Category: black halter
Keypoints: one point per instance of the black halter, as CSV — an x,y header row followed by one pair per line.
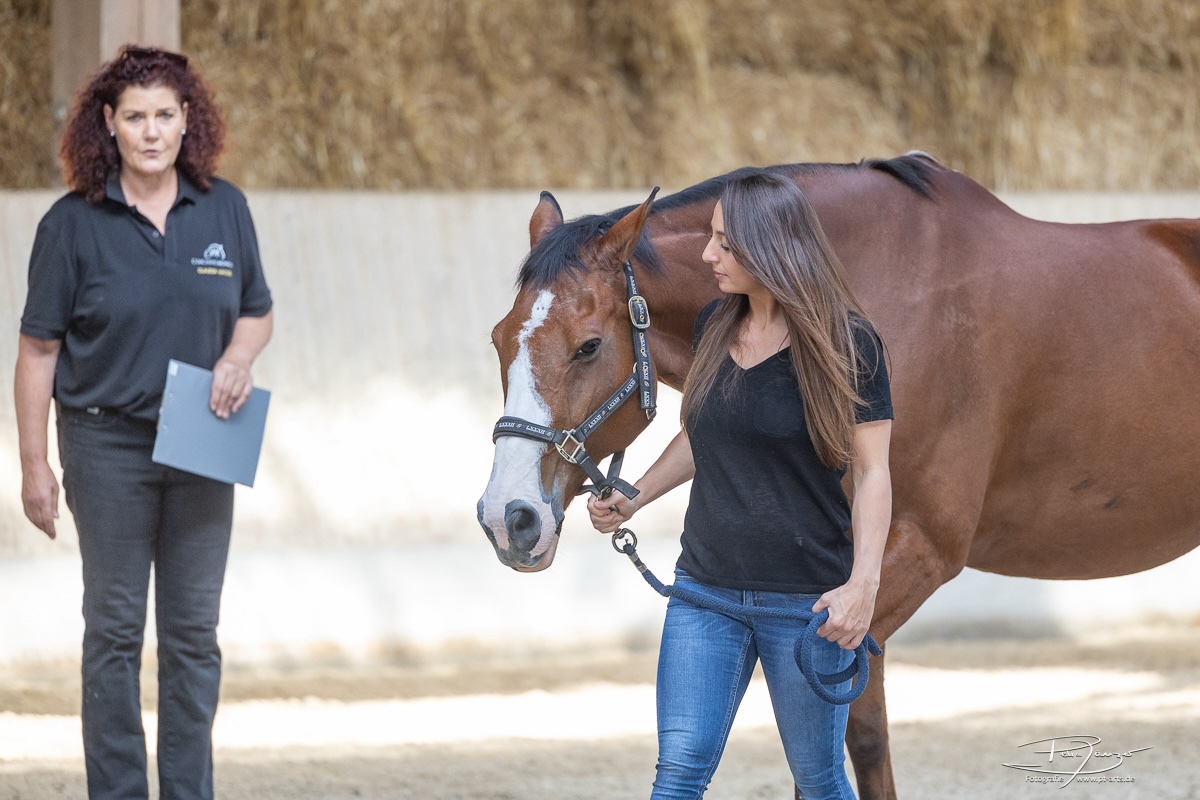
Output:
x,y
569,443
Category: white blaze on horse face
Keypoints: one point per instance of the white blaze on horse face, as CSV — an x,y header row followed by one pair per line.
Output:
x,y
523,399
516,468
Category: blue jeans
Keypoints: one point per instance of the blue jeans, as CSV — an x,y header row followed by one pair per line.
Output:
x,y
705,663
132,513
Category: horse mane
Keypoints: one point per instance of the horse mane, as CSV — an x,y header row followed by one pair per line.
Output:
x,y
914,169
558,252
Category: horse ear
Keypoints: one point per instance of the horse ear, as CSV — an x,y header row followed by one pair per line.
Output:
x,y
624,235
546,217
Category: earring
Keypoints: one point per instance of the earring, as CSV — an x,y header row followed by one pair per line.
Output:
x,y
112,134
183,132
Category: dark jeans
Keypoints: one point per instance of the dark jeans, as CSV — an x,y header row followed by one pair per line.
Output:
x,y
132,513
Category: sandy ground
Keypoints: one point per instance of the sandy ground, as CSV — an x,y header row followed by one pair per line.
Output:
x,y
583,728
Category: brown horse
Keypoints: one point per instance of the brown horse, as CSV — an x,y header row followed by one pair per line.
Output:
x,y
1045,378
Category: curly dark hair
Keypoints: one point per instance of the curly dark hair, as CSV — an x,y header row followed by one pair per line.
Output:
x,y
89,154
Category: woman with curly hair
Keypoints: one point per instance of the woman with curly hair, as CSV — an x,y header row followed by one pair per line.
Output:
x,y
149,257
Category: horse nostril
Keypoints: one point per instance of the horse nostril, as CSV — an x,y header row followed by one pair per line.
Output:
x,y
521,518
524,525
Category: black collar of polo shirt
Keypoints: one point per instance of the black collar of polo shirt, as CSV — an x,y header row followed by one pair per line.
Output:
x,y
187,190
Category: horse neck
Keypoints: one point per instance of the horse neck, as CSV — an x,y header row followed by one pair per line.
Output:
x,y
864,213
853,202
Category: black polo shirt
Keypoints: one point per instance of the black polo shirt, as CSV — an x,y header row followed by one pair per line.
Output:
x,y
125,299
765,513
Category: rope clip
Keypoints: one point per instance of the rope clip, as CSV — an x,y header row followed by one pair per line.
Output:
x,y
622,538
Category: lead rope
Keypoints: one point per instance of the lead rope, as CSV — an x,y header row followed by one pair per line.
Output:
x,y
624,541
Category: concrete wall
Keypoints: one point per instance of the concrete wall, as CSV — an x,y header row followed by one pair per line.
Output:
x,y
360,536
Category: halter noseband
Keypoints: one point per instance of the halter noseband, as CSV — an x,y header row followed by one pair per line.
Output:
x,y
570,443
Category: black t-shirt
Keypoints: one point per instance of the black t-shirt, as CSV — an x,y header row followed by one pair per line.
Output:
x,y
124,299
765,514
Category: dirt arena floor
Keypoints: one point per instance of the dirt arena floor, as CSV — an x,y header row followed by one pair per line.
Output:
x,y
583,728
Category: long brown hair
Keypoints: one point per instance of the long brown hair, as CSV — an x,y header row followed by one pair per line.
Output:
x,y
89,154
773,233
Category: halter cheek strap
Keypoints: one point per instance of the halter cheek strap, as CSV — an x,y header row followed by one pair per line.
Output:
x,y
570,442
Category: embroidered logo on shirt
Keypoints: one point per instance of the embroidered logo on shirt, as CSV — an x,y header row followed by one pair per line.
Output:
x,y
214,262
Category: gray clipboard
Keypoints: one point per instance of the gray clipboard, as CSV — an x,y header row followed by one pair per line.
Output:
x,y
194,439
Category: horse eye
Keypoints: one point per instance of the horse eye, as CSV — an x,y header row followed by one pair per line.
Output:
x,y
587,349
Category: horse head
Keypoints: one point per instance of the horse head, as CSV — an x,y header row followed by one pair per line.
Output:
x,y
565,347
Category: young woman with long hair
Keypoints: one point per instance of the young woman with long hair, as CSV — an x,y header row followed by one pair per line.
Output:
x,y
788,390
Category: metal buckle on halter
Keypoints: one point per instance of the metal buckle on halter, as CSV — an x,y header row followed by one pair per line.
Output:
x,y
639,312
576,445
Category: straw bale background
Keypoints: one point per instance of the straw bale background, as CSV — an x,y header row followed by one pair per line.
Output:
x,y
467,94
25,122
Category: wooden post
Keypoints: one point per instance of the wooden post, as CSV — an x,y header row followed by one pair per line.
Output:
x,y
86,33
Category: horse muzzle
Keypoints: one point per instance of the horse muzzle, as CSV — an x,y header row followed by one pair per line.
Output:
x,y
524,536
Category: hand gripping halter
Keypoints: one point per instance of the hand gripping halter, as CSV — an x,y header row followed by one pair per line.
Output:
x,y
570,443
